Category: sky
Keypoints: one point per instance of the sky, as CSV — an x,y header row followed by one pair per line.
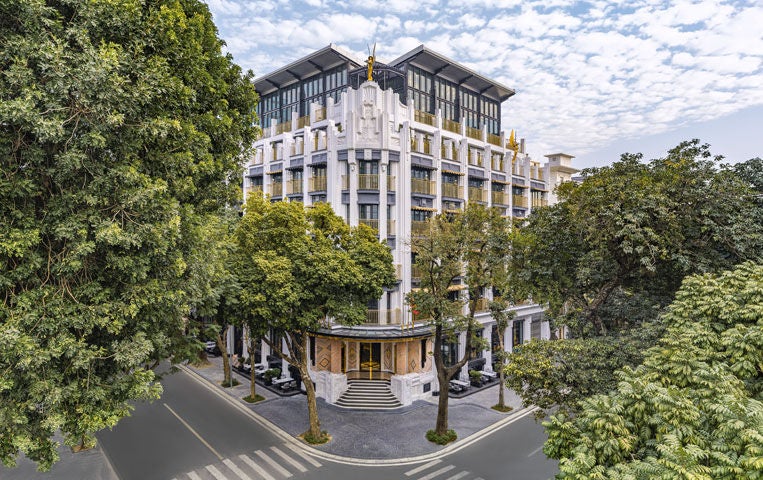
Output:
x,y
593,79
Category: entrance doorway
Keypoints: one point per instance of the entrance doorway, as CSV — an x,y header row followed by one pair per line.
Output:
x,y
370,359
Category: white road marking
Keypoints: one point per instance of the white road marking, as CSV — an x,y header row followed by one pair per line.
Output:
x,y
535,451
216,473
256,467
219,457
194,476
273,463
422,468
305,456
234,468
458,475
293,462
438,472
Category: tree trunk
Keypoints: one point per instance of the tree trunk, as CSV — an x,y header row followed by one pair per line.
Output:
x,y
502,359
312,405
222,344
441,427
252,374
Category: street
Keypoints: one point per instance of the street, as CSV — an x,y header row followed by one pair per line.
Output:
x,y
192,433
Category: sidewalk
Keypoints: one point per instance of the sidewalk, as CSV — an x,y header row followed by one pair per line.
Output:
x,y
370,434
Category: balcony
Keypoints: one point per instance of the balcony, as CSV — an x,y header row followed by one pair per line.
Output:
x,y
371,222
419,227
391,183
477,194
449,153
500,198
474,133
368,181
302,122
277,151
451,126
345,182
294,186
316,184
283,127
391,231
425,146
494,139
320,114
540,202
497,162
276,189
398,271
416,272
519,201
384,317
452,190
476,157
482,305
254,189
420,185
423,117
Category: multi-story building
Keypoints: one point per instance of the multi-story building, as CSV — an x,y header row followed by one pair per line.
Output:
x,y
423,137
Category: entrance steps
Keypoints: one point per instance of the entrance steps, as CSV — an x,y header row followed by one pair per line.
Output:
x,y
368,395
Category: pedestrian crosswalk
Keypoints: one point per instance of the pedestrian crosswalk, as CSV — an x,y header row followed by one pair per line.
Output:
x,y
436,469
275,463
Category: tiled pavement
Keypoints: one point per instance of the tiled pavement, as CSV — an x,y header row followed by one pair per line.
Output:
x,y
372,434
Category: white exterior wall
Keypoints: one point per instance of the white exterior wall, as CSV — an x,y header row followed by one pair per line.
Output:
x,y
371,121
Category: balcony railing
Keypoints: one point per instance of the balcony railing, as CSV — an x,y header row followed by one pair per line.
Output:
x,y
423,117
537,175
452,190
482,305
253,189
391,228
391,183
477,194
474,133
345,182
519,201
475,157
316,184
416,271
497,162
451,126
500,198
294,186
283,127
494,139
368,181
320,114
424,147
540,202
398,271
384,317
449,153
371,222
276,189
302,122
419,227
419,185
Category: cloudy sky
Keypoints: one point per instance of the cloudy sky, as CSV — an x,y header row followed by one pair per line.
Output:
x,y
593,79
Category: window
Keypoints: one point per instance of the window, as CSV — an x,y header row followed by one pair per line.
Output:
x,y
368,168
420,215
517,332
369,211
420,173
423,352
449,352
420,85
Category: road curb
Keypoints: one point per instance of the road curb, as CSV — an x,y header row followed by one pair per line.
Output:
x,y
276,430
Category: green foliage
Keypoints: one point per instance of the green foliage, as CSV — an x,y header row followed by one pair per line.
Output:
x,y
255,399
622,240
693,409
324,437
121,125
561,373
444,439
272,373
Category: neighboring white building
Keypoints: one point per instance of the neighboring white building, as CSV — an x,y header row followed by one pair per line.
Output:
x,y
423,137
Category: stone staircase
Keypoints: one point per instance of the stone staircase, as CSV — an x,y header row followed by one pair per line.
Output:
x,y
368,395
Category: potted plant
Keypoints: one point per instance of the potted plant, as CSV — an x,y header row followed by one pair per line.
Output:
x,y
476,378
270,375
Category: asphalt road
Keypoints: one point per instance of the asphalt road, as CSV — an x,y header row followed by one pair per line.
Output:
x,y
192,433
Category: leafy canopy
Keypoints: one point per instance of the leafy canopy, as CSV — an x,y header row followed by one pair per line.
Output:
x,y
120,128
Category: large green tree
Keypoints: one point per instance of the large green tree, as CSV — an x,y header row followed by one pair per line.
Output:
x,y
473,246
694,409
121,125
611,254
301,267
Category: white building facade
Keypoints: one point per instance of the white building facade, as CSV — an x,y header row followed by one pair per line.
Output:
x,y
423,137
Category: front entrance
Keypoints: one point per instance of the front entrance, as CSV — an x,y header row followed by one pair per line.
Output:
x,y
370,359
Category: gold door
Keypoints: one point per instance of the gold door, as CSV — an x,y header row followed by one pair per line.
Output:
x,y
370,358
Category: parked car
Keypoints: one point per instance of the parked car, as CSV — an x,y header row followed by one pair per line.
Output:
x,y
212,348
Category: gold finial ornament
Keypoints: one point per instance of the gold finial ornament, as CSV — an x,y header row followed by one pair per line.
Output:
x,y
370,62
513,145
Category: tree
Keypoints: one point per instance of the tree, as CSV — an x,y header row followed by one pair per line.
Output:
x,y
299,268
121,125
610,256
694,408
473,245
